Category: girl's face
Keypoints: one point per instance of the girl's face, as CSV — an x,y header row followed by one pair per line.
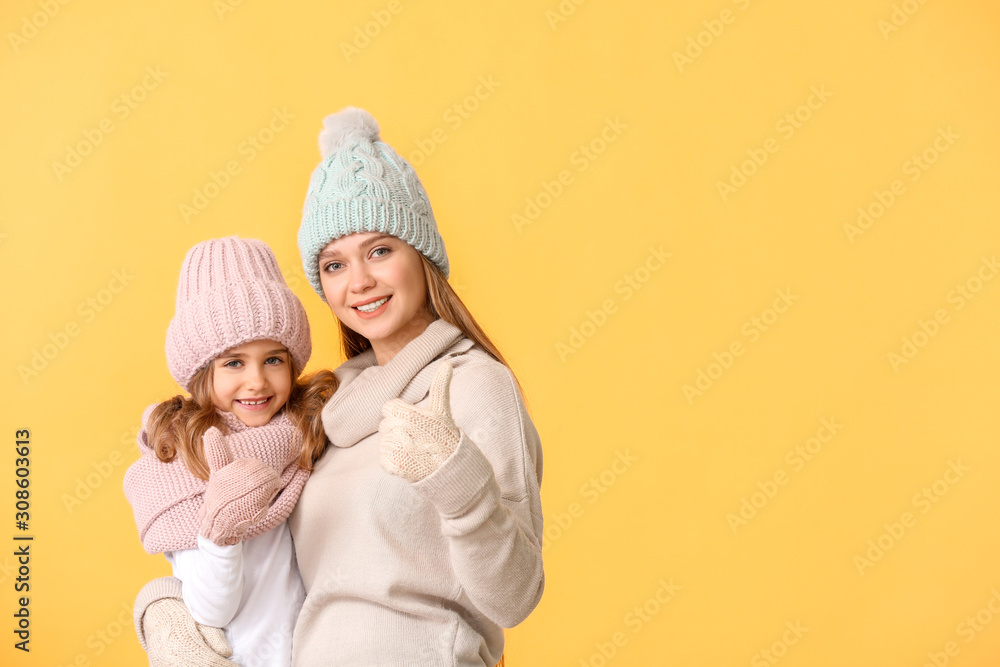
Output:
x,y
375,285
253,381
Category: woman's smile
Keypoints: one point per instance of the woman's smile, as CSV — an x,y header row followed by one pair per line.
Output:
x,y
372,307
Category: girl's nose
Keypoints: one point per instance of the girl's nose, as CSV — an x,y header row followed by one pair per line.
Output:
x,y
255,378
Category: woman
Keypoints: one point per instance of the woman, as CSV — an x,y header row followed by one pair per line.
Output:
x,y
418,536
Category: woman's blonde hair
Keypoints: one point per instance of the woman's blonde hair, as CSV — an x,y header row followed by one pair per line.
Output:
x,y
176,426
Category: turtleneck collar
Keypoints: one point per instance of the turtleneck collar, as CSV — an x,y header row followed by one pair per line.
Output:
x,y
355,410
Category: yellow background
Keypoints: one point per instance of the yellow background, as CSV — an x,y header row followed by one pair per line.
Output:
x,y
535,84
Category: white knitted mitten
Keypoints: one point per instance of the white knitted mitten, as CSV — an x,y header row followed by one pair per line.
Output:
x,y
174,639
415,441
238,494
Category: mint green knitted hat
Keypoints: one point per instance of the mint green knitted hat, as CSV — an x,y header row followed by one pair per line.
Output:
x,y
363,185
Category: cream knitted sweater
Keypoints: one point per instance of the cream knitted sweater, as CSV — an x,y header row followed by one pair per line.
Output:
x,y
425,573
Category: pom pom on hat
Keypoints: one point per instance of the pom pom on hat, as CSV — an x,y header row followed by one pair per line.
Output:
x,y
347,126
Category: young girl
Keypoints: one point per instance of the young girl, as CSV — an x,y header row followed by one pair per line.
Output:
x,y
212,463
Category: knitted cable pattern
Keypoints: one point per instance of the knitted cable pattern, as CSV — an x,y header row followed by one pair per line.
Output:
x,y
166,497
367,170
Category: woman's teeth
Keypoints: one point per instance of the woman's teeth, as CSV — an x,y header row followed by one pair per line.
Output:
x,y
374,305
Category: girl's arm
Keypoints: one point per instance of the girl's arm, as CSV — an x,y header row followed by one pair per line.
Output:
x,y
212,577
237,496
487,487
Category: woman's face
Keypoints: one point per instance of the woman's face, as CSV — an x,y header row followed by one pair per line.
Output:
x,y
375,285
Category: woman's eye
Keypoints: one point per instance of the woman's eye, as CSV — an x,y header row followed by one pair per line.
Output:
x,y
333,266
380,251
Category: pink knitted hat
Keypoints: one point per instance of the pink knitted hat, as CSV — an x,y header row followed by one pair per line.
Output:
x,y
231,292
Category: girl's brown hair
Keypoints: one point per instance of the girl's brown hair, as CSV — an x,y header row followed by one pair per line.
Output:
x,y
176,426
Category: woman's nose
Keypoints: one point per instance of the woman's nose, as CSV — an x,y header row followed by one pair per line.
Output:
x,y
361,278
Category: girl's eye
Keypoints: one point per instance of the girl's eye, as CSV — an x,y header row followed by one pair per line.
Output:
x,y
332,266
274,361
381,251
233,363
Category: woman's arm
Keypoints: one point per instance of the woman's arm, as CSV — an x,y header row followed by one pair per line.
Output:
x,y
486,490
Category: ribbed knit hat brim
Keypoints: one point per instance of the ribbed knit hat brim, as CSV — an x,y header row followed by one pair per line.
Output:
x,y
339,217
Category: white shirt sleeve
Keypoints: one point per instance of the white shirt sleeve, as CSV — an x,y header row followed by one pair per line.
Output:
x,y
212,578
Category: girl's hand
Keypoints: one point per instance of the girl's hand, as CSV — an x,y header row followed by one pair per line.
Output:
x,y
416,441
238,495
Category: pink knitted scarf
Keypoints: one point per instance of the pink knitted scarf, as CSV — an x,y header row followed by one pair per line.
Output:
x,y
166,497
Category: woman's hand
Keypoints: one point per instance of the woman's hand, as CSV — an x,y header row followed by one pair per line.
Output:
x,y
174,639
416,441
238,494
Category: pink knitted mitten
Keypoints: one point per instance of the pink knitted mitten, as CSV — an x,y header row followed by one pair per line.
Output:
x,y
416,441
238,493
